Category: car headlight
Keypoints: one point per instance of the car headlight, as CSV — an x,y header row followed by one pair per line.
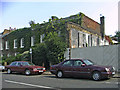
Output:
x,y
107,69
43,68
3,68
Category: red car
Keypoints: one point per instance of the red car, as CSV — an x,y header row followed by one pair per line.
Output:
x,y
82,68
24,67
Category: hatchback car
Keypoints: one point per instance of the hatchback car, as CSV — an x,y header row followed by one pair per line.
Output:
x,y
82,68
24,67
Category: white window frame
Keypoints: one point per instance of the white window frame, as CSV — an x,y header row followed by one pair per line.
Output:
x,y
15,43
41,38
21,43
6,45
8,55
32,41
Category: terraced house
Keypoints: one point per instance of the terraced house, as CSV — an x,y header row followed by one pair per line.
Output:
x,y
77,30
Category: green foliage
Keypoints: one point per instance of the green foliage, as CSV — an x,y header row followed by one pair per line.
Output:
x,y
39,54
19,57
56,48
118,36
51,51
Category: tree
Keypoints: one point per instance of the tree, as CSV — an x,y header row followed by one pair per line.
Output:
x,y
117,36
56,48
40,55
51,51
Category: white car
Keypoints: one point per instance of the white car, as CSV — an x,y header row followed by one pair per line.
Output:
x,y
2,68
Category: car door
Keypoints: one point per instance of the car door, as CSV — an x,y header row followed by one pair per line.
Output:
x,y
79,70
13,66
67,67
19,67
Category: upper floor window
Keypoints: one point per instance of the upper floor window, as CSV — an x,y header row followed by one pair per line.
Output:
x,y
15,43
41,38
32,41
6,45
84,40
1,46
22,43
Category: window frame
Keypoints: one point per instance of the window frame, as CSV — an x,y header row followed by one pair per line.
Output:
x,y
22,43
15,43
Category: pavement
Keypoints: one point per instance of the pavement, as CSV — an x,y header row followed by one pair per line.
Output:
x,y
47,73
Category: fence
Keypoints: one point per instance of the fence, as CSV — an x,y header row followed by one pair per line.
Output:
x,y
102,55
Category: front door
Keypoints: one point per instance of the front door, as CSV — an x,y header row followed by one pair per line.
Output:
x,y
78,69
67,68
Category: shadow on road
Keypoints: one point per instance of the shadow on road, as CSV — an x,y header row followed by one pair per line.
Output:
x,y
73,78
16,73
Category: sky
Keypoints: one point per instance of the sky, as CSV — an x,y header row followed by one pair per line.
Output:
x,y
18,13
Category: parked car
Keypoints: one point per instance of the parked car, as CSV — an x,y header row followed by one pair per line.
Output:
x,y
24,67
2,68
82,68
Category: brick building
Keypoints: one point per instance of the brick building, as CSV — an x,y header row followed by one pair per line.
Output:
x,y
79,31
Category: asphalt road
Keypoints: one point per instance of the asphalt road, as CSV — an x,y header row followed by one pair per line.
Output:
x,y
49,81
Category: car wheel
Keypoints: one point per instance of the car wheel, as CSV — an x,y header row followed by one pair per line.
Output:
x,y
96,76
9,71
27,72
59,74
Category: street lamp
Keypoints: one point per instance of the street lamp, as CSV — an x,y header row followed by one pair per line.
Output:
x,y
31,54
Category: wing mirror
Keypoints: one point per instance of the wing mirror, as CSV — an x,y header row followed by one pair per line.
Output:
x,y
83,65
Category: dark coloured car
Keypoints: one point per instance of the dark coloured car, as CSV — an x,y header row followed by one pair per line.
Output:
x,y
24,67
82,68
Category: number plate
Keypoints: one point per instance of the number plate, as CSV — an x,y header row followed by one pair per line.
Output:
x,y
113,72
40,71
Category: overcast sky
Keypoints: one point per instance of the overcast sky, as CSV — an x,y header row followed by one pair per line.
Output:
x,y
18,13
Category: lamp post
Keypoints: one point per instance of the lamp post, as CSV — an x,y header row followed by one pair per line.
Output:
x,y
31,54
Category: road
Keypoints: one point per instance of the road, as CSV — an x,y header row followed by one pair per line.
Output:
x,y
49,81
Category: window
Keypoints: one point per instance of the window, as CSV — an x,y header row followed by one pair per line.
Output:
x,y
59,33
1,47
6,45
15,54
84,40
32,41
15,43
22,43
8,55
78,63
1,55
19,63
68,63
41,38
89,41
98,41
78,40
88,62
13,64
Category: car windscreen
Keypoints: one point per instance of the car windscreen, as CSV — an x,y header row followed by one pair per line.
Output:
x,y
27,64
88,62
